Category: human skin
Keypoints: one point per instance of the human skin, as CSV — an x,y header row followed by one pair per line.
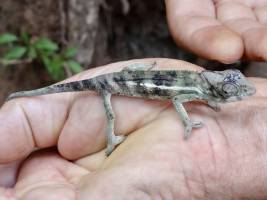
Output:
x,y
223,30
226,159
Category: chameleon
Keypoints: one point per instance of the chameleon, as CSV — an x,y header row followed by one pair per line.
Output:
x,y
140,80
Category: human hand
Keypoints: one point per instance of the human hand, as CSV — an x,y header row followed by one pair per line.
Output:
x,y
223,30
226,159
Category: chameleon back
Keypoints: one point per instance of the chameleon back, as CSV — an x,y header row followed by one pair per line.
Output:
x,y
150,84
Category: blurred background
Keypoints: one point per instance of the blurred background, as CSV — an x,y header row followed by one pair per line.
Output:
x,y
42,42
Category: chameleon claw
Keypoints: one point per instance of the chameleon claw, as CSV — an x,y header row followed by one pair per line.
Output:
x,y
189,126
109,150
114,142
119,139
197,124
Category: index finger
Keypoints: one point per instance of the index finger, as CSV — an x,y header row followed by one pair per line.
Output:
x,y
75,122
194,26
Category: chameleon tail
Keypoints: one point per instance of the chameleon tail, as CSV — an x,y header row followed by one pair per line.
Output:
x,y
41,91
59,88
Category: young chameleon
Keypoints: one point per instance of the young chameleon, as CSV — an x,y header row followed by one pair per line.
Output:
x,y
138,80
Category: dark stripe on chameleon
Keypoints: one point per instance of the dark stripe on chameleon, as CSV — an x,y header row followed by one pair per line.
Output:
x,y
140,89
158,79
66,86
87,84
164,79
158,75
172,74
119,78
157,91
161,93
108,87
129,71
165,82
102,85
121,81
60,86
75,85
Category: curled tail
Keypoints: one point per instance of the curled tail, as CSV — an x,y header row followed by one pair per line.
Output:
x,y
82,85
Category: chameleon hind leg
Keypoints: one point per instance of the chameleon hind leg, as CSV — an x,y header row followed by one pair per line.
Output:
x,y
140,67
112,139
188,123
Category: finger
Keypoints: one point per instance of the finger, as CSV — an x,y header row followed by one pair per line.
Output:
x,y
8,174
48,165
28,123
194,25
242,19
261,14
46,176
93,162
73,121
232,10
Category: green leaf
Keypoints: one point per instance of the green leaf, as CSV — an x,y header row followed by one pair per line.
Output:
x,y
54,67
70,52
8,38
45,59
25,37
45,44
32,53
47,53
56,63
15,52
58,71
74,66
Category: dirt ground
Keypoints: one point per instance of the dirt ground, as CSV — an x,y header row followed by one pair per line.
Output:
x,y
121,30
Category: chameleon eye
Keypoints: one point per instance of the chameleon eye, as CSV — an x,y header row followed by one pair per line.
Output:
x,y
230,89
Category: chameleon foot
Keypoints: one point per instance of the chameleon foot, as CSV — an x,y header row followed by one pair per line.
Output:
x,y
114,142
197,124
189,126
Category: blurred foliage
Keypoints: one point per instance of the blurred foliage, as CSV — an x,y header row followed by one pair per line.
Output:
x,y
23,48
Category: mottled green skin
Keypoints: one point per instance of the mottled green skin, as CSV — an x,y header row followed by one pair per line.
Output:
x,y
180,86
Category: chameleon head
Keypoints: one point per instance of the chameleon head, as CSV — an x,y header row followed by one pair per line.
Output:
x,y
229,85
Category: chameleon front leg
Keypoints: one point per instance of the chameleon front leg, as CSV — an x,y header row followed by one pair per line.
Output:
x,y
188,123
112,139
